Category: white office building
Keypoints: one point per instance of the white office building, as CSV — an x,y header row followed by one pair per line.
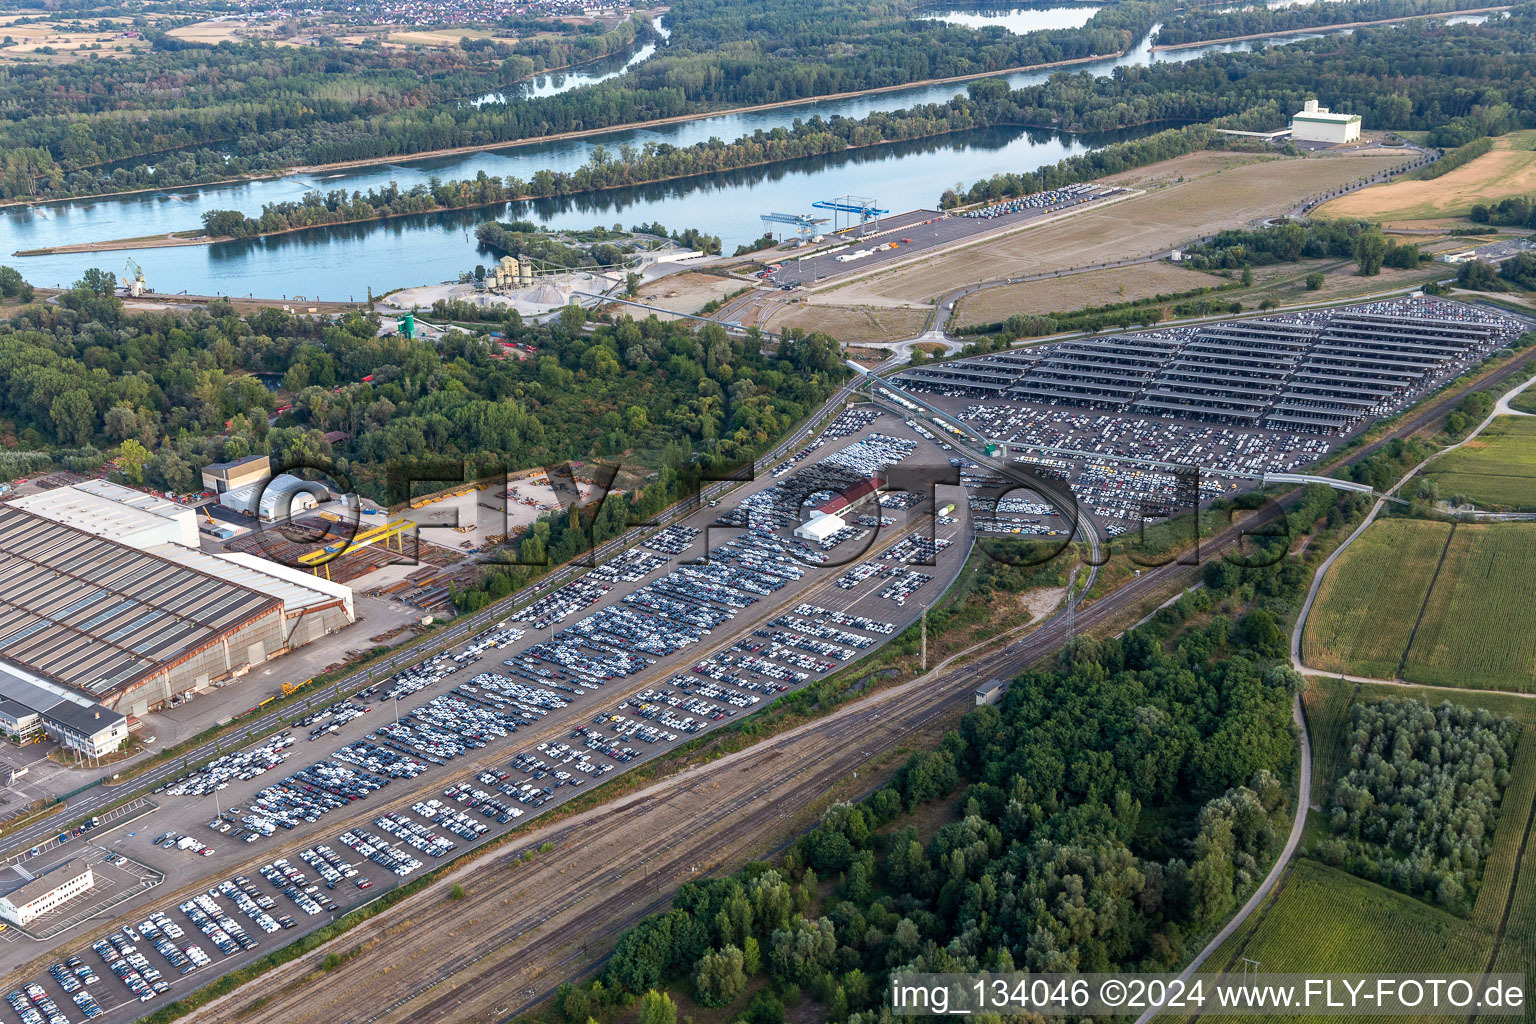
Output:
x,y
46,893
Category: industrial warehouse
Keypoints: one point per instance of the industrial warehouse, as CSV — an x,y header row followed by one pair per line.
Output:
x,y
107,593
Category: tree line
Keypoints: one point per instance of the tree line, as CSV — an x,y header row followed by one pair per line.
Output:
x,y
205,386
1360,240
1515,212
1199,24
1107,812
1457,82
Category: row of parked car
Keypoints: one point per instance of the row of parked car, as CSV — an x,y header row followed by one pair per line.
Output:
x,y
380,851
240,765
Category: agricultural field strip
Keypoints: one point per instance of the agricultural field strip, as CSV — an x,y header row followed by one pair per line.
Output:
x,y
1500,469
1476,626
1369,601
1510,834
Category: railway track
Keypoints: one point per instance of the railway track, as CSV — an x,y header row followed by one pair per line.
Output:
x,y
668,838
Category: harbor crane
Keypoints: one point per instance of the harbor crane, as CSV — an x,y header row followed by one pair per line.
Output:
x,y
804,224
135,285
862,207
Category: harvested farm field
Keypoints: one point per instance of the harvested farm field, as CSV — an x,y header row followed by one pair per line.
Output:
x,y
1509,169
851,324
1186,198
1075,291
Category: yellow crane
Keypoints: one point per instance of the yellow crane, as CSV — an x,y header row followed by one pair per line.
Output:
x,y
375,535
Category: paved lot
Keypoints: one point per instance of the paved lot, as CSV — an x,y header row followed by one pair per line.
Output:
x,y
817,597
922,229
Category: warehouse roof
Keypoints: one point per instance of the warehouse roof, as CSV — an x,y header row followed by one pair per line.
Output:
x,y
262,576
98,614
104,508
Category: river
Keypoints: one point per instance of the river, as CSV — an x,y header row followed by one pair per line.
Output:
x,y
341,263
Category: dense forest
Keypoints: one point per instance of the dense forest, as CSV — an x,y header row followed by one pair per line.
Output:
x,y
84,374
248,107
1198,24
1417,804
1459,82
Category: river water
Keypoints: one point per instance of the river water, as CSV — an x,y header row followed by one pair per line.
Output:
x,y
1017,20
340,263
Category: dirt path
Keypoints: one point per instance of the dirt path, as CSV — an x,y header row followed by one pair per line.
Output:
x,y
168,241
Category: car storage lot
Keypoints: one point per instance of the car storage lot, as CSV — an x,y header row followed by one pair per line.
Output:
x,y
482,745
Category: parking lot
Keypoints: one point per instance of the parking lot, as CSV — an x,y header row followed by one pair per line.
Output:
x,y
117,880
630,660
1123,416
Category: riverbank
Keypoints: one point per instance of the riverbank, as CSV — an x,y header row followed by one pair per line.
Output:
x,y
700,116
585,133
151,242
1318,29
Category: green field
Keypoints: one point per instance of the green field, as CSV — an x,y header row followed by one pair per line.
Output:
x,y
1326,701
1478,623
1495,469
1370,599
1525,401
1326,920
1477,629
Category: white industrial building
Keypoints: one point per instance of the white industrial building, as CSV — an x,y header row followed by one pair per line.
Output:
x,y
219,477
283,496
46,893
1319,124
125,515
819,527
34,704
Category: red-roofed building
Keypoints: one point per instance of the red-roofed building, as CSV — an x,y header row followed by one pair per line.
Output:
x,y
851,497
